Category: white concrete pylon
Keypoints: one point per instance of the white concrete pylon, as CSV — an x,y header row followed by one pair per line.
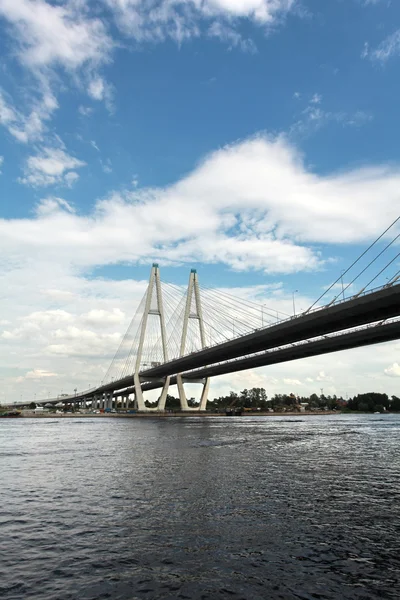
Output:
x,y
193,292
154,285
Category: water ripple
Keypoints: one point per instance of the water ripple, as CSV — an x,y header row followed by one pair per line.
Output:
x,y
200,508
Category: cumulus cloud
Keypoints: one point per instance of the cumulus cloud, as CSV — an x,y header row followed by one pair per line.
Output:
x,y
51,166
393,370
52,34
250,205
104,317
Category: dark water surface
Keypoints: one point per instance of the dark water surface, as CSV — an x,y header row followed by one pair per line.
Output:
x,y
251,508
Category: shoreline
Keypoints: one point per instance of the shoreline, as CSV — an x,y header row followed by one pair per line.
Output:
x,y
173,415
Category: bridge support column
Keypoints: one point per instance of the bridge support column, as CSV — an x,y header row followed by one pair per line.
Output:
x,y
182,395
193,310
163,397
154,288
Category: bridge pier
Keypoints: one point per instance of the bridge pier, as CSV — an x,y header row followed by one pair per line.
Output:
x,y
182,394
154,288
193,312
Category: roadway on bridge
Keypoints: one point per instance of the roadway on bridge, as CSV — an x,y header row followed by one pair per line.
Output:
x,y
376,334
369,308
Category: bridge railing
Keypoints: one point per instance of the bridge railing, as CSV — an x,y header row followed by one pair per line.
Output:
x,y
304,342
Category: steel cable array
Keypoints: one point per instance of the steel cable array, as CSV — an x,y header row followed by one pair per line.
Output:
x,y
225,316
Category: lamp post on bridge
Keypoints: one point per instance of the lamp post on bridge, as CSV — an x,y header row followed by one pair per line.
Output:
x,y
294,305
341,279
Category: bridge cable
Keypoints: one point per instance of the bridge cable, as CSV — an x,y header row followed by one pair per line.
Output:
x,y
353,264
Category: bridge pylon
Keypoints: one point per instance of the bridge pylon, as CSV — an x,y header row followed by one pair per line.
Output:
x,y
193,311
153,294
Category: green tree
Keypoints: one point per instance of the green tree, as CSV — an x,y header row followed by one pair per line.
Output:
x,y
395,404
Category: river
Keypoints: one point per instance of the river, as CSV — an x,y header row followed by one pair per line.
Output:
x,y
200,508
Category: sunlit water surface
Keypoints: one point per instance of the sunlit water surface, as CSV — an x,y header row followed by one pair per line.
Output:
x,y
251,508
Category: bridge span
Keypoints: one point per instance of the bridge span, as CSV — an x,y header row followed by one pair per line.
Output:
x,y
371,307
375,334
358,321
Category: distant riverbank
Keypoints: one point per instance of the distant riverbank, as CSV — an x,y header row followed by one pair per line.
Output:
x,y
32,415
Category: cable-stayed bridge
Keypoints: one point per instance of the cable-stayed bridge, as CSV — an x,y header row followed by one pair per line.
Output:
x,y
178,336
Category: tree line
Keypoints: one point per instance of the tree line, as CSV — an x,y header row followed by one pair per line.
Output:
x,y
256,399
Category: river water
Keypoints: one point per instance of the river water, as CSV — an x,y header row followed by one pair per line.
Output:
x,y
200,508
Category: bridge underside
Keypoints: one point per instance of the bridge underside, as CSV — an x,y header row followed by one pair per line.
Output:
x,y
345,341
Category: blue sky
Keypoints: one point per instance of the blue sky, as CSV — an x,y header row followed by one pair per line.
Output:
x,y
256,140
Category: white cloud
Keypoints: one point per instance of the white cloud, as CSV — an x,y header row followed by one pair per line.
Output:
x,y
182,19
316,99
393,370
52,34
71,178
288,381
313,117
107,167
249,205
30,127
7,113
97,88
85,111
387,49
1,162
51,205
51,166
228,35
36,375
101,317
322,376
